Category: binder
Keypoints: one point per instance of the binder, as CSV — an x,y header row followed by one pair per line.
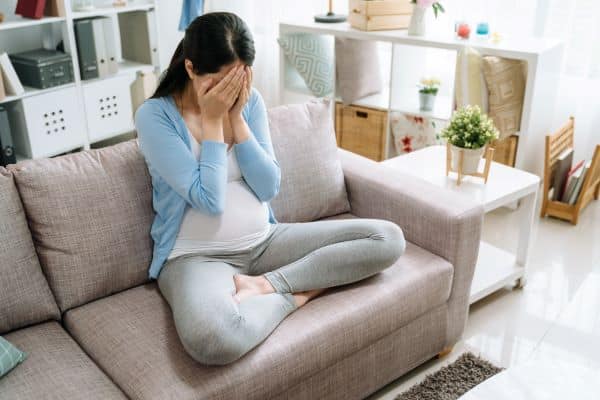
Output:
x,y
111,46
2,91
7,151
138,37
100,46
84,36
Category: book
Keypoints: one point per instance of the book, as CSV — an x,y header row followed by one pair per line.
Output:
x,y
570,183
31,8
580,178
561,171
12,83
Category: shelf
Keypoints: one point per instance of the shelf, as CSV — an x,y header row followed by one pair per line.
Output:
x,y
125,67
409,104
29,91
495,269
15,22
110,10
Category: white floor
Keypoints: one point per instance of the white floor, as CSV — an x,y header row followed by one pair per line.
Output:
x,y
555,317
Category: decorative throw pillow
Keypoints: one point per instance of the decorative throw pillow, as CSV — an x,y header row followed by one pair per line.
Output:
x,y
414,132
312,56
358,72
312,180
10,356
471,88
506,84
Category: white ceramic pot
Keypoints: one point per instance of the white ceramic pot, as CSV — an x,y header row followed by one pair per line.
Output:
x,y
417,26
426,101
471,159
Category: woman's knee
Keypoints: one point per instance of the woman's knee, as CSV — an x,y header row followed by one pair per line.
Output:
x,y
212,343
391,240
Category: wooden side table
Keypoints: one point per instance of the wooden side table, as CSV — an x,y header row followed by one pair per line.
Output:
x,y
496,267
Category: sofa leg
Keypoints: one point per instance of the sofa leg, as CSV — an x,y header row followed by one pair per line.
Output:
x,y
445,352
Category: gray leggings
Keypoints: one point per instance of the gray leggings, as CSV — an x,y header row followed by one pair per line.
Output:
x,y
215,330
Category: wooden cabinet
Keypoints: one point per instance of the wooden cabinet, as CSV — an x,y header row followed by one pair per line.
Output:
x,y
361,130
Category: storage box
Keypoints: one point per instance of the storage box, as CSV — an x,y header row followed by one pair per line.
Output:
x,y
371,15
361,130
43,68
505,150
108,107
47,124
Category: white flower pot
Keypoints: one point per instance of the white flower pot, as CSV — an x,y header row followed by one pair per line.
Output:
x,y
426,101
471,159
417,26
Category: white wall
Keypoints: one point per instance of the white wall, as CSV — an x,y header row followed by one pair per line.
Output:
x,y
169,37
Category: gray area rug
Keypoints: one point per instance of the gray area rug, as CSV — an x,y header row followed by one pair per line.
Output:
x,y
453,380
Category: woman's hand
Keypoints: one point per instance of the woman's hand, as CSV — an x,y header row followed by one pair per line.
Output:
x,y
216,102
236,110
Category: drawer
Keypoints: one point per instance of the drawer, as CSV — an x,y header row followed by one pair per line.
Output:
x,y
108,107
47,124
361,130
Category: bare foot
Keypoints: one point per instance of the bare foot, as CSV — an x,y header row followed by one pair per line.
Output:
x,y
246,286
302,298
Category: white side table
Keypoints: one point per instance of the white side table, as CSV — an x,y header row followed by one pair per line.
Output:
x,y
495,268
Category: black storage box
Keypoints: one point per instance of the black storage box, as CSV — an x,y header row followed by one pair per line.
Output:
x,y
43,68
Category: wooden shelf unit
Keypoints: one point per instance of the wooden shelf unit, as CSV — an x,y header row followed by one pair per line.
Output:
x,y
590,190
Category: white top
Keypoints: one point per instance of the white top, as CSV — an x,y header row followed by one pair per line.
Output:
x,y
243,223
505,184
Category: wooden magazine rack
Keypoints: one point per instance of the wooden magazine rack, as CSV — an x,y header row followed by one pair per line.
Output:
x,y
555,145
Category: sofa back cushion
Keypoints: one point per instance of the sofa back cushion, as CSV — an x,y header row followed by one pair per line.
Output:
x,y
25,297
90,215
312,180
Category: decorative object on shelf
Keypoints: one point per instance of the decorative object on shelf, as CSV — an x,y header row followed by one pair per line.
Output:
x,y
30,8
312,56
83,5
428,89
413,132
483,30
43,68
561,198
372,15
358,72
463,31
330,16
496,37
505,79
467,135
55,8
417,26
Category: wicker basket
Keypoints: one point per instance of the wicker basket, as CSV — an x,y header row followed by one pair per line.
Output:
x,y
505,150
361,130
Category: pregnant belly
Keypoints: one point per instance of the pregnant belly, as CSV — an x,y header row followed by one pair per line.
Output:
x,y
244,217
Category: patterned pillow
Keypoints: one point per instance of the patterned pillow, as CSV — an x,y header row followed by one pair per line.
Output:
x,y
312,56
506,83
10,356
470,83
358,72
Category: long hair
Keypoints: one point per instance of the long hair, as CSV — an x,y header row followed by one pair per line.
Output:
x,y
210,42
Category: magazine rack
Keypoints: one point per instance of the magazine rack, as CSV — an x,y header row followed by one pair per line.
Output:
x,y
555,145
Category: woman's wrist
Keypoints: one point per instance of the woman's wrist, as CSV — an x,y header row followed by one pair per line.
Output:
x,y
240,129
212,129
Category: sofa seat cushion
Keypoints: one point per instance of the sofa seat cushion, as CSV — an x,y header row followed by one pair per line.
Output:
x,y
132,337
55,368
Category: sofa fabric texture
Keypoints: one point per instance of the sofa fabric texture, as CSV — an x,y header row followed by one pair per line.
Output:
x,y
55,368
312,181
25,296
132,332
90,215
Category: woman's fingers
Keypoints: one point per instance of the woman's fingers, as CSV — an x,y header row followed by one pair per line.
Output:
x,y
223,83
204,86
249,76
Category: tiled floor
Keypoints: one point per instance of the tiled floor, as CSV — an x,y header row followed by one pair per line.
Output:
x,y
555,317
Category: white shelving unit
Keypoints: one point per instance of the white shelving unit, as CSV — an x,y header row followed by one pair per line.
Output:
x,y
19,34
543,58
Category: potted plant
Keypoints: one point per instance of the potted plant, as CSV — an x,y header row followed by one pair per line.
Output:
x,y
428,89
417,25
469,131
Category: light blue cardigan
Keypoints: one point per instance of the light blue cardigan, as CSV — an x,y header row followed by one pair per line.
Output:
x,y
178,179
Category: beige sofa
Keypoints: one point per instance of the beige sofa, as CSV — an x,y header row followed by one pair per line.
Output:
x,y
94,327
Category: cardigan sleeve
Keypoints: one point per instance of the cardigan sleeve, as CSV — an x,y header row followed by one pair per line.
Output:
x,y
255,155
202,184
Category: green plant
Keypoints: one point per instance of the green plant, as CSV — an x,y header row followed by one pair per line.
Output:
x,y
429,86
469,128
437,6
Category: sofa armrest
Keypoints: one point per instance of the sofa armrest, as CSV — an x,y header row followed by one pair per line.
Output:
x,y
438,220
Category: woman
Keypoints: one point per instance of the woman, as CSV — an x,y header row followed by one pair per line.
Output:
x,y
228,270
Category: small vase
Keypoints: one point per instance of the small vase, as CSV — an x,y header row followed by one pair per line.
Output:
x,y
417,26
471,159
426,101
